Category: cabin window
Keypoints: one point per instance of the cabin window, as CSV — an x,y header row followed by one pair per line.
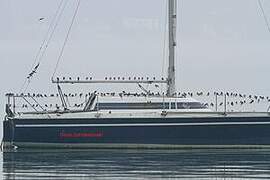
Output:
x,y
115,106
173,105
190,105
152,105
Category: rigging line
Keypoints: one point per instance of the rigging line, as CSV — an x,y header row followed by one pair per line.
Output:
x,y
52,33
264,15
68,102
66,39
48,41
56,20
27,85
38,103
43,42
24,83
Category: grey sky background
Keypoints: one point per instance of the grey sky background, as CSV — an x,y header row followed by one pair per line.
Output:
x,y
222,45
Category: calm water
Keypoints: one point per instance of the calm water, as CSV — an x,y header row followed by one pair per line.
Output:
x,y
137,164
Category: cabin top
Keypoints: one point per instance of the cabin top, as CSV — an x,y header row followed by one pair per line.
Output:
x,y
132,103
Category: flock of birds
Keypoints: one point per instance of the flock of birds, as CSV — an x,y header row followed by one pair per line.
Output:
x,y
111,79
233,99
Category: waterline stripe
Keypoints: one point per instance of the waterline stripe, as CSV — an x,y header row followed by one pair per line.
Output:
x,y
140,124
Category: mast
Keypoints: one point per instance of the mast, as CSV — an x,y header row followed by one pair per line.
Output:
x,y
172,46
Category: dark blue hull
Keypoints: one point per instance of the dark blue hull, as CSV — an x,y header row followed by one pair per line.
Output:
x,y
139,133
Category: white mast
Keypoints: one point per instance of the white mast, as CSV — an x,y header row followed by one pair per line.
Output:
x,y
172,45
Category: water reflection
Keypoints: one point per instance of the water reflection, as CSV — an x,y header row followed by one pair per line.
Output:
x,y
137,164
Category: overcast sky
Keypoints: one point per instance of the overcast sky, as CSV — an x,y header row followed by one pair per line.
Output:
x,y
222,45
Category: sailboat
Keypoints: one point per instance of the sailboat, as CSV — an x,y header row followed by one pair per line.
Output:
x,y
131,120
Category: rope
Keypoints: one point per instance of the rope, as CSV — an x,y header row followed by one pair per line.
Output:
x,y
66,38
264,15
47,39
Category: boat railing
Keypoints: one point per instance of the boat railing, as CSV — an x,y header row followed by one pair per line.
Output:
x,y
89,101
